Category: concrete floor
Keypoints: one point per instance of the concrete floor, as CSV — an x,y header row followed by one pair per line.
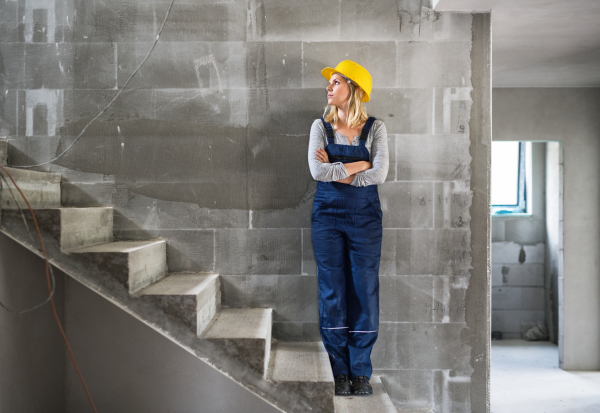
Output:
x,y
525,378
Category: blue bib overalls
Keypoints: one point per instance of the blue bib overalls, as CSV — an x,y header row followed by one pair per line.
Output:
x,y
346,237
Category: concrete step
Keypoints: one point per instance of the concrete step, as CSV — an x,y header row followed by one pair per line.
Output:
x,y
192,297
136,264
70,227
42,189
303,368
244,333
3,151
379,401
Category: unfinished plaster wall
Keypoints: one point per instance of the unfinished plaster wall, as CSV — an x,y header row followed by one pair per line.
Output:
x,y
571,117
207,148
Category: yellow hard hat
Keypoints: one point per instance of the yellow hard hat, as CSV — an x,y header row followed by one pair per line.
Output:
x,y
354,72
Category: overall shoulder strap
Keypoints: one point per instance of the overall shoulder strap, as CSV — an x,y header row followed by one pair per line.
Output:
x,y
328,131
367,128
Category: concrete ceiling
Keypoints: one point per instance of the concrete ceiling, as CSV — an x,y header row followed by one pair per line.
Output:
x,y
540,43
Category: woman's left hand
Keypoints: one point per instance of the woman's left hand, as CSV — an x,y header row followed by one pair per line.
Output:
x,y
322,155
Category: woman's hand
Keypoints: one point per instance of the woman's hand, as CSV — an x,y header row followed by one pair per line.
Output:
x,y
322,155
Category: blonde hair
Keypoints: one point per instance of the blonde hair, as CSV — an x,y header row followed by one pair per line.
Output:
x,y
356,112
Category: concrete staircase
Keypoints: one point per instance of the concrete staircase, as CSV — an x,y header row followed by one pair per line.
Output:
x,y
185,307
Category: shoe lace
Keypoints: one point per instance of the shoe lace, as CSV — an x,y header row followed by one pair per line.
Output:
x,y
341,378
360,379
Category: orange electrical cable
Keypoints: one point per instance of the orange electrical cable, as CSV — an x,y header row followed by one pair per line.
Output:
x,y
62,332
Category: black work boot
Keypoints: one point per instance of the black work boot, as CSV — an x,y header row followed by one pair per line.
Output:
x,y
342,385
361,386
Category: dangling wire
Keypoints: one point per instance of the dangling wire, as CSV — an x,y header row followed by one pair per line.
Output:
x,y
51,290
47,300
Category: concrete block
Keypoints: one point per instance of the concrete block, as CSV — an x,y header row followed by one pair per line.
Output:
x,y
452,391
10,30
269,110
510,253
258,251
281,181
273,20
184,65
379,58
187,215
141,21
309,266
274,65
387,263
452,204
409,389
67,65
506,298
87,194
433,64
296,298
244,333
3,151
133,211
498,230
404,111
432,157
527,230
509,321
81,227
411,298
296,331
524,275
13,67
190,250
407,204
41,189
379,401
194,298
136,264
437,252
532,298
303,368
420,346
420,22
249,290
373,21
292,297
391,176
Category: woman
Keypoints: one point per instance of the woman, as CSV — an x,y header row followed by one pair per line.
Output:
x,y
348,156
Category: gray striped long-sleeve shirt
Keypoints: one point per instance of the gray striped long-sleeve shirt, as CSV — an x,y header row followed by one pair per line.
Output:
x,y
376,144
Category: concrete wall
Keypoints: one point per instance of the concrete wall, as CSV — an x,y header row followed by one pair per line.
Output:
x,y
207,148
32,357
518,288
554,235
571,117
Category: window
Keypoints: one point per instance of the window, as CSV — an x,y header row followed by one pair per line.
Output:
x,y
511,172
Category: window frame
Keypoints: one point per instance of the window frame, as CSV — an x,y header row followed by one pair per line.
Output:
x,y
523,205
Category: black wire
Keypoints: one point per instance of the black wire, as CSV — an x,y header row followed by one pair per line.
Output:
x,y
45,258
109,103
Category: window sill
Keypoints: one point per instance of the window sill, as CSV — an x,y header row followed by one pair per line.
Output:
x,y
513,214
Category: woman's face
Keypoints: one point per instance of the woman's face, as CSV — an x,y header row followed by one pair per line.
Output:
x,y
338,91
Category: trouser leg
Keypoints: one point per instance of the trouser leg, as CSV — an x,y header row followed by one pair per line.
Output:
x,y
336,344
359,347
328,247
364,246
